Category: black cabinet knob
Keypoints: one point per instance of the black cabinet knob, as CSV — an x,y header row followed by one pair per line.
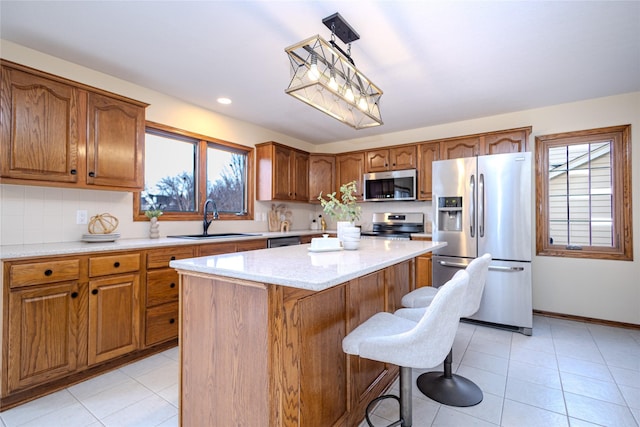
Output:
x,y
173,258
173,285
172,321
48,272
94,292
73,171
92,174
116,264
74,295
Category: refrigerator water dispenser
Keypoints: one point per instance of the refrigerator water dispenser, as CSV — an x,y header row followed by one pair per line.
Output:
x,y
450,213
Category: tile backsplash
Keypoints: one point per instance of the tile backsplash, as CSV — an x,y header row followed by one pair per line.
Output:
x,y
33,215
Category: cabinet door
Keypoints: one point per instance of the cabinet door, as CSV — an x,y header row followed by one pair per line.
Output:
x,y
114,317
282,172
513,141
42,334
115,145
424,270
40,128
403,158
300,179
427,154
322,176
322,363
400,282
378,161
350,167
459,148
367,295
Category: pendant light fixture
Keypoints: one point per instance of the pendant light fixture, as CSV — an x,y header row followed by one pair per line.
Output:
x,y
324,76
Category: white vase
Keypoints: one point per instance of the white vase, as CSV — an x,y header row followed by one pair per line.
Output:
x,y
154,228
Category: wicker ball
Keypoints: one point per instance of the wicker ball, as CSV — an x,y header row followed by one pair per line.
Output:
x,y
103,224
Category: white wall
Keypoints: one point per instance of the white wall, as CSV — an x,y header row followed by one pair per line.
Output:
x,y
599,289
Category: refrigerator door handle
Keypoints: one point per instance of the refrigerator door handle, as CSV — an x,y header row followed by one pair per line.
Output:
x,y
499,268
453,264
472,209
481,205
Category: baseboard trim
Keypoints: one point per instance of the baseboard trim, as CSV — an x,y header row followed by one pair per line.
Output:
x,y
587,319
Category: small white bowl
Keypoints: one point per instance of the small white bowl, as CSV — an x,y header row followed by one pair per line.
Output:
x,y
350,245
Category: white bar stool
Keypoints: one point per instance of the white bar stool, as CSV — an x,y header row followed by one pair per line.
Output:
x,y
446,387
388,338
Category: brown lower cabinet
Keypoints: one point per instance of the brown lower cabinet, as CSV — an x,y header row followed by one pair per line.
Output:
x,y
69,318
276,352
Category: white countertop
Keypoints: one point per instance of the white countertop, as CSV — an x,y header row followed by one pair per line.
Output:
x,y
71,248
296,267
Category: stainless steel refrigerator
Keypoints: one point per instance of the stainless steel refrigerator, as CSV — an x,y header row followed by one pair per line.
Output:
x,y
483,204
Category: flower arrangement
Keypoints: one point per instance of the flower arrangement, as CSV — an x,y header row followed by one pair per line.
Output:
x,y
155,210
153,213
345,208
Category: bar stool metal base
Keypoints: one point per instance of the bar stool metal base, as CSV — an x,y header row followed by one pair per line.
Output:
x,y
453,391
449,389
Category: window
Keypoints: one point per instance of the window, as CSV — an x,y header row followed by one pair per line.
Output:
x,y
183,169
584,194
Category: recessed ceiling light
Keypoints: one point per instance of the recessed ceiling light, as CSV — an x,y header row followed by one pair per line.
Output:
x,y
224,101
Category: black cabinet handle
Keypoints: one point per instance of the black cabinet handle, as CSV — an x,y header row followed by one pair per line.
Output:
x,y
74,295
172,321
92,174
48,272
116,264
94,292
173,285
73,171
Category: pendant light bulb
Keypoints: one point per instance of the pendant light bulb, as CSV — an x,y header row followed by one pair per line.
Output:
x,y
362,103
348,94
314,73
333,84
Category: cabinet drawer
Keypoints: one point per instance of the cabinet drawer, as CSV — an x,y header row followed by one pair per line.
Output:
x,y
162,286
161,258
162,323
113,264
43,272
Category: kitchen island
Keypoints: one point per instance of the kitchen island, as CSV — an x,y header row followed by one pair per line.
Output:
x,y
261,332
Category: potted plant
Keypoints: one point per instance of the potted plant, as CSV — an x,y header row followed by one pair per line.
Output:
x,y
153,213
345,211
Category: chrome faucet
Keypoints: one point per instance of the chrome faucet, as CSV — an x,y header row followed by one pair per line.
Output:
x,y
207,222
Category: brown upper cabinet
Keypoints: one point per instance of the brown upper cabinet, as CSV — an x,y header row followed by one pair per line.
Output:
x,y
282,173
507,141
351,167
427,154
456,148
322,175
388,159
61,133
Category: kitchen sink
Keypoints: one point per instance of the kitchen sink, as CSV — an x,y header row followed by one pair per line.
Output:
x,y
213,235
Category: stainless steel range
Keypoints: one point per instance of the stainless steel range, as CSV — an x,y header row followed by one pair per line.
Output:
x,y
395,226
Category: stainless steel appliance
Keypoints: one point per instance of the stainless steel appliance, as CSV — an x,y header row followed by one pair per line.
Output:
x,y
390,186
483,204
396,226
276,242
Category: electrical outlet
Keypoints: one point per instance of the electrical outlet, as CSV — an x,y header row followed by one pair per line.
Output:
x,y
81,217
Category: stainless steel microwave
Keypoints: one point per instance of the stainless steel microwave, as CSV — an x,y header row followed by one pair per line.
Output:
x,y
392,185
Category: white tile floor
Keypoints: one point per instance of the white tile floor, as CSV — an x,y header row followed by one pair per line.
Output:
x,y
566,374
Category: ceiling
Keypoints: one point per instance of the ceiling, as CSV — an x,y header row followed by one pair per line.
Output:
x,y
436,61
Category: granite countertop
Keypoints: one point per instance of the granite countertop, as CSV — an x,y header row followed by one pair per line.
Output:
x,y
8,252
296,266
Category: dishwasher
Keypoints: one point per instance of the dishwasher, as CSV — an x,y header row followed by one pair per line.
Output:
x,y
277,242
